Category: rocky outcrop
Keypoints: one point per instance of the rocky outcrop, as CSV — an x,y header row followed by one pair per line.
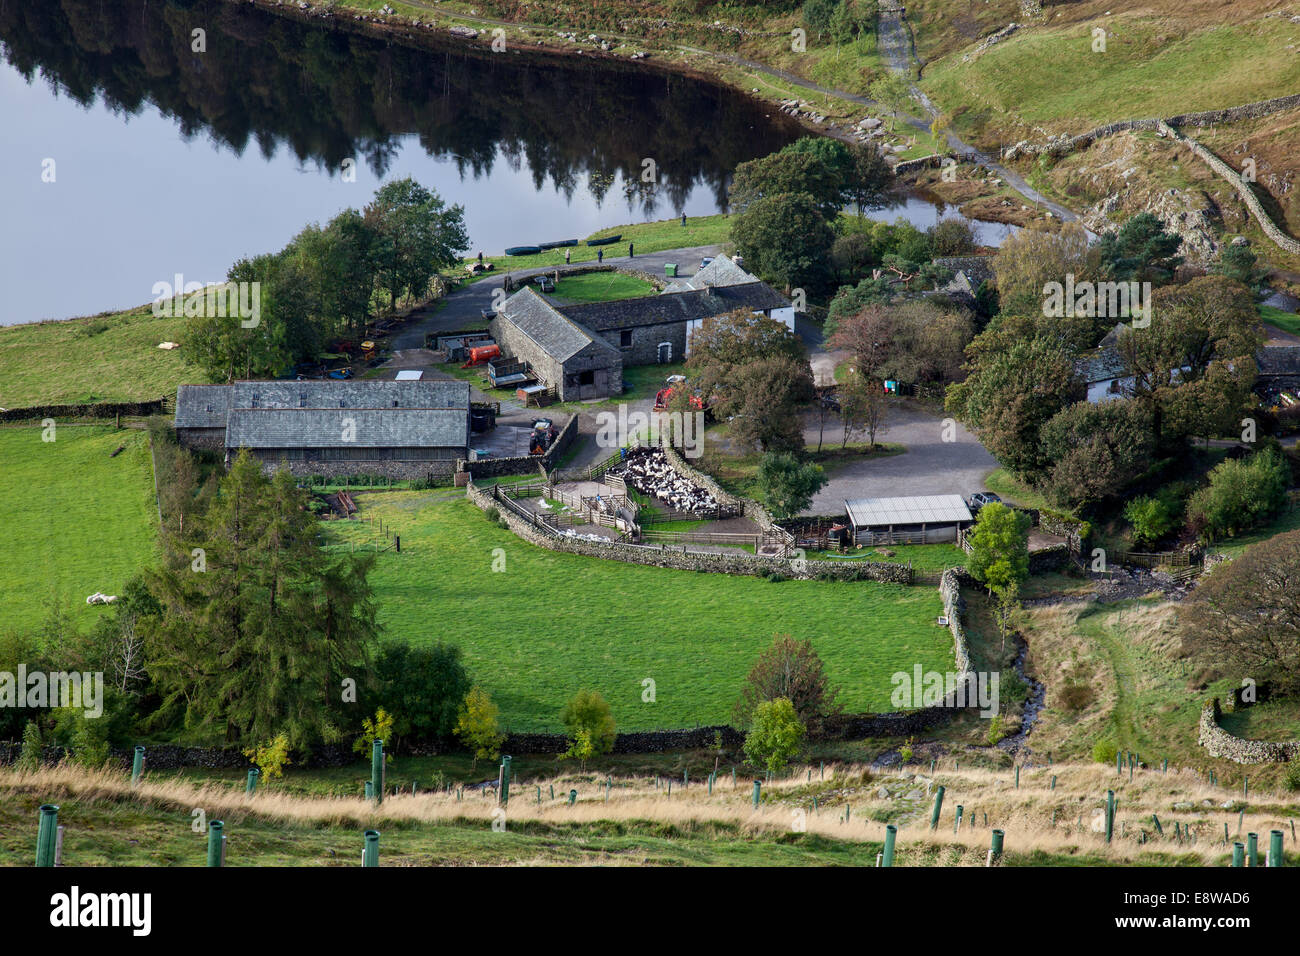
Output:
x,y
991,40
1235,180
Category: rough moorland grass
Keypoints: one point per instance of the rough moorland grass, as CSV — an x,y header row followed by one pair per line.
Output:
x,y
110,358
600,287
550,624
1143,693
1144,72
75,520
111,822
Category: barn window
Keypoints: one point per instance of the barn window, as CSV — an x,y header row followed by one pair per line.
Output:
x,y
587,378
625,340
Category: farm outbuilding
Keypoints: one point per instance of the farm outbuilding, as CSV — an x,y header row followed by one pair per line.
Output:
x,y
925,519
580,351
406,429
567,357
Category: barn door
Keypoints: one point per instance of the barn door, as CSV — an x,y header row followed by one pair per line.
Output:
x,y
665,352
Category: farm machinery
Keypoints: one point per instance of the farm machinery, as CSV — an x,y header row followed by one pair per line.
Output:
x,y
677,385
543,436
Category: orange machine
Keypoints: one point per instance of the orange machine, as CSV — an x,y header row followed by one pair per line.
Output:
x,y
481,353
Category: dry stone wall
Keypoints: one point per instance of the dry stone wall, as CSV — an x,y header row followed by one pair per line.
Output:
x,y
1062,145
669,557
1233,178
752,509
1219,743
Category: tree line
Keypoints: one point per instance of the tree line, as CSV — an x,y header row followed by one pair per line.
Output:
x,y
329,281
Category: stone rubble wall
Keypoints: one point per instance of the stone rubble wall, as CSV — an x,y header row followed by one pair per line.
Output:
x,y
1219,743
752,509
668,557
1233,178
1062,145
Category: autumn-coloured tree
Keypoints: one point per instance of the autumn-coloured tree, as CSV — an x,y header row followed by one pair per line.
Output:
x,y
789,669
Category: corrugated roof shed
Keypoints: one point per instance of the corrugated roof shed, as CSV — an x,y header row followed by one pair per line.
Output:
x,y
329,428
923,509
202,406
676,306
554,333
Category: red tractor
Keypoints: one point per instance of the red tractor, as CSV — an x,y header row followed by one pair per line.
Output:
x,y
664,396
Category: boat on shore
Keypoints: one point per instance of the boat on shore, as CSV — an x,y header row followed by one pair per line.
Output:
x,y
604,240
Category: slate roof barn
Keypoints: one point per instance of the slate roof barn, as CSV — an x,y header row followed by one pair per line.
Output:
x,y
566,355
580,350
690,305
406,429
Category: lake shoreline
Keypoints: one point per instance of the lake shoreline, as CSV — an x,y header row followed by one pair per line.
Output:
x,y
400,28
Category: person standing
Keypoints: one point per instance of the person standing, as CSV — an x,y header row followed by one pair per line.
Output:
x,y
480,257
629,251
566,256
683,220
600,255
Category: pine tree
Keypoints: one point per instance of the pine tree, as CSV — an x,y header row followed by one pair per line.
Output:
x,y
256,643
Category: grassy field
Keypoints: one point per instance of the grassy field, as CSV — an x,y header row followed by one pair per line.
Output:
x,y
110,358
1010,488
645,237
1140,690
1143,72
600,287
923,557
76,521
550,624
1286,321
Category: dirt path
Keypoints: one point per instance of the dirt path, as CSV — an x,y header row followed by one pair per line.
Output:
x,y
894,41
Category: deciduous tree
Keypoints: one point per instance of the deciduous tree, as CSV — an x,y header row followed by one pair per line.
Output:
x,y
789,669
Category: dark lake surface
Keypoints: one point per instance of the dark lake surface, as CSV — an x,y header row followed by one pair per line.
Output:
x,y
166,161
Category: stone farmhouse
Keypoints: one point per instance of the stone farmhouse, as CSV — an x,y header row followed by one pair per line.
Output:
x,y
581,350
408,429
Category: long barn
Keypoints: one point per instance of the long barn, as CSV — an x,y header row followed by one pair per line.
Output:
x,y
408,429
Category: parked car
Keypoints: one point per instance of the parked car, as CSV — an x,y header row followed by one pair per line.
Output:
x,y
980,499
